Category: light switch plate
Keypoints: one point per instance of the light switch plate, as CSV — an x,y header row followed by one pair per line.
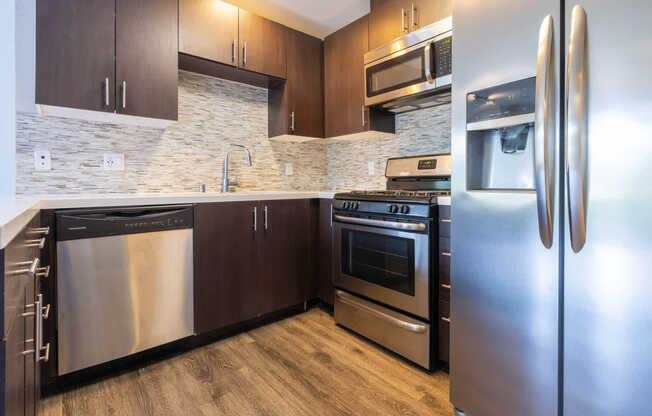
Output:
x,y
42,160
289,169
113,161
371,168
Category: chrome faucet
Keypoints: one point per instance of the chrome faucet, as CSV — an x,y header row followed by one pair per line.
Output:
x,y
225,175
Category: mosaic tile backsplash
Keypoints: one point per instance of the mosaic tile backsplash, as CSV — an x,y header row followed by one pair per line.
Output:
x,y
213,113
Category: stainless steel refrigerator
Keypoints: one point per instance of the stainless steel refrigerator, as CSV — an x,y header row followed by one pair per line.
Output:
x,y
551,310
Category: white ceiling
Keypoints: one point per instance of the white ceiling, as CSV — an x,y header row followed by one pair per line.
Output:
x,y
315,17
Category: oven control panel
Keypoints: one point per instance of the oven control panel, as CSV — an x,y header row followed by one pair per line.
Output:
x,y
383,207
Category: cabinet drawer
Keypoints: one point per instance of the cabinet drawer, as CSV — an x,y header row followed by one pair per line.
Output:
x,y
444,292
444,308
444,245
444,269
444,340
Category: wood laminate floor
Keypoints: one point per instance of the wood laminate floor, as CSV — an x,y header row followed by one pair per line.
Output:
x,y
303,365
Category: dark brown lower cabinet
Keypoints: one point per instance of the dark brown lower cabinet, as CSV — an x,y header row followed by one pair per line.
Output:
x,y
325,291
225,264
444,282
18,365
251,258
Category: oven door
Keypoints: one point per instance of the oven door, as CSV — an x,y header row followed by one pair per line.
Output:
x,y
411,71
384,261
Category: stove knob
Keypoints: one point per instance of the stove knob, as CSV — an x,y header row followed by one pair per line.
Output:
x,y
355,205
392,209
405,209
345,205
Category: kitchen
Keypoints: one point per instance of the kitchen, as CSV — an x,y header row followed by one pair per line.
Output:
x,y
361,207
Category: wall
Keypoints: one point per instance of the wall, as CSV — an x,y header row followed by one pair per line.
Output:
x,y
212,114
420,132
7,104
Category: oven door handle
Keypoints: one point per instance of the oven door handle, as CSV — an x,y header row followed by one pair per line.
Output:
x,y
406,226
382,315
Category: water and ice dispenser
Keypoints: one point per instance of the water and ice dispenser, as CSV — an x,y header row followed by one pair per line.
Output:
x,y
500,137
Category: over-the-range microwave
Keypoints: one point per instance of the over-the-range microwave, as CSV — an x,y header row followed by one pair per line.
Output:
x,y
413,71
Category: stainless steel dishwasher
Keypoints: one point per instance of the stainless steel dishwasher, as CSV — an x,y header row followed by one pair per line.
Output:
x,y
124,282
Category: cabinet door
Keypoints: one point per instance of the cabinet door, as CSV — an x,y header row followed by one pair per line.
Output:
x,y
147,58
297,107
305,63
324,254
14,367
388,20
343,78
428,11
262,45
284,259
75,54
225,264
208,29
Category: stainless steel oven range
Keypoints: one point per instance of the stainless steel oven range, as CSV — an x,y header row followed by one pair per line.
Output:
x,y
384,246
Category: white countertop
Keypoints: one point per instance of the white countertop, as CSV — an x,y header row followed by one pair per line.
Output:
x,y
16,213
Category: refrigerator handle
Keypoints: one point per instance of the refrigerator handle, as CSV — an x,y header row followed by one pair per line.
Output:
x,y
577,129
544,130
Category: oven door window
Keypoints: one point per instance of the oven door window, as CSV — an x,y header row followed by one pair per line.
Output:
x,y
396,73
380,259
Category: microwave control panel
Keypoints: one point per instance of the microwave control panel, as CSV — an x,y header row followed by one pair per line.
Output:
x,y
443,57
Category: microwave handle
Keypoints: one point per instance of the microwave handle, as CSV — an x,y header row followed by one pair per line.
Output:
x,y
427,52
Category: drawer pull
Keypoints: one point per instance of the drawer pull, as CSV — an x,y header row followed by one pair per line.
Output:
x,y
40,243
46,357
445,319
30,271
43,272
392,320
446,253
447,220
446,286
38,231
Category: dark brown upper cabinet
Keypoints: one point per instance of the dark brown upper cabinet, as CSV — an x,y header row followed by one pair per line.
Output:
x,y
209,29
297,107
390,19
345,112
113,56
75,54
147,58
262,45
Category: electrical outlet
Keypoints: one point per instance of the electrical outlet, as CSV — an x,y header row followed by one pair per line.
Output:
x,y
371,168
42,160
113,161
289,170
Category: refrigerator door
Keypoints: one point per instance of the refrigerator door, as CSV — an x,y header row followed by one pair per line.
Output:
x,y
505,282
608,285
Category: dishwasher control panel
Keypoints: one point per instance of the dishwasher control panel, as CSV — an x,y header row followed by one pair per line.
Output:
x,y
105,222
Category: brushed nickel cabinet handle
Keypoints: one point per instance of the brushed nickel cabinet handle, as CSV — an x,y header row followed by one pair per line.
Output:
x,y
446,286
414,20
233,46
39,242
255,212
107,87
447,220
266,224
292,121
38,231
445,319
30,271
404,28
124,94
446,253
244,53
363,117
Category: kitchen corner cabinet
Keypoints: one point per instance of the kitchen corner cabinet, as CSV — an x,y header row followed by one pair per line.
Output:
x,y
19,363
344,109
390,19
110,56
297,106
251,258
